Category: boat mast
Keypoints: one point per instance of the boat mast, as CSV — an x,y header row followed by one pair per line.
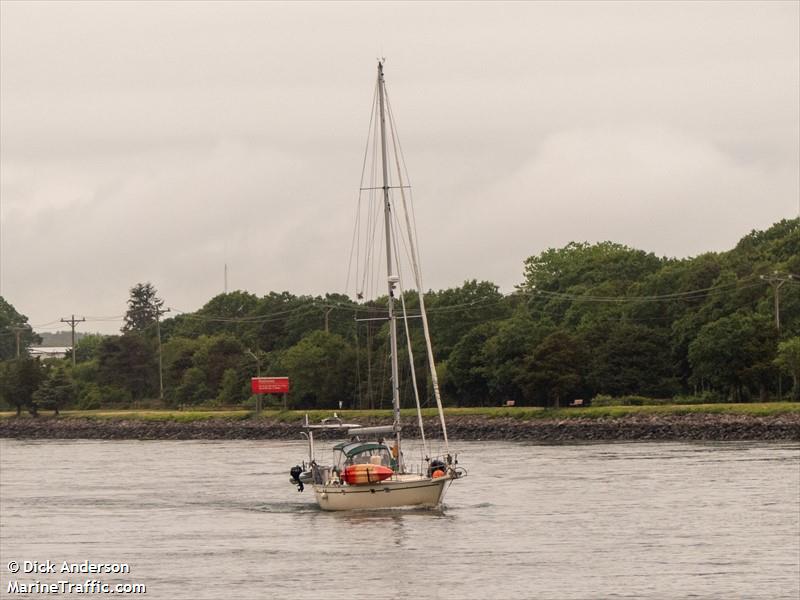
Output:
x,y
390,275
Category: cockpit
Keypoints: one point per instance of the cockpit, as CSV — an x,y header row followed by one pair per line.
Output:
x,y
361,452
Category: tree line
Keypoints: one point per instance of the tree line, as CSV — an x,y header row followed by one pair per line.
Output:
x,y
591,321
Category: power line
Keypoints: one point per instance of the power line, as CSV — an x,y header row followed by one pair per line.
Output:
x,y
485,302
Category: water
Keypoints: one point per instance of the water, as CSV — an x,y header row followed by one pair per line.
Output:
x,y
209,520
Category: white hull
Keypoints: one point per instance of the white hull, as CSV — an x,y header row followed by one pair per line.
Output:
x,y
405,490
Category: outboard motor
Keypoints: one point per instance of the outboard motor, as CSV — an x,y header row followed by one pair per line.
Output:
x,y
295,473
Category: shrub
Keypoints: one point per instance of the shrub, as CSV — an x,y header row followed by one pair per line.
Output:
x,y
193,390
630,400
116,396
603,400
707,397
231,389
90,397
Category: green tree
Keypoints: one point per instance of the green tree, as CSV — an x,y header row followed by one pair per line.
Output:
x,y
19,379
629,358
581,263
455,311
564,282
281,320
56,391
788,361
231,388
178,356
143,308
10,320
128,362
505,354
215,355
87,347
193,388
321,368
554,372
735,354
223,314
466,374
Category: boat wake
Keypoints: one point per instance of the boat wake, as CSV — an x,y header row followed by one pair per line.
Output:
x,y
286,507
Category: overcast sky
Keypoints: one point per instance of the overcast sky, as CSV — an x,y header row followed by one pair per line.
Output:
x,y
158,141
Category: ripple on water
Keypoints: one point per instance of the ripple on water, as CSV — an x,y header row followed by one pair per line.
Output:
x,y
200,520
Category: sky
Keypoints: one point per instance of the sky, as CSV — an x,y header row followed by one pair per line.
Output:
x,y
160,141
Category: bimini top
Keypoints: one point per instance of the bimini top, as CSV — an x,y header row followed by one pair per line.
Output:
x,y
350,449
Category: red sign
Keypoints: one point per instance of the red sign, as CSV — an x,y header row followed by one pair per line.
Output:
x,y
270,385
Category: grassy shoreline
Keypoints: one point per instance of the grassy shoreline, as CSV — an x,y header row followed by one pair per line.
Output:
x,y
763,409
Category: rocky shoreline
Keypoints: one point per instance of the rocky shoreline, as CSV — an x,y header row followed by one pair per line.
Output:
x,y
708,427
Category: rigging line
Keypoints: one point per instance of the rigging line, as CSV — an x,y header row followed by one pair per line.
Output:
x,y
356,243
372,113
421,295
370,200
402,158
383,378
411,366
410,247
377,238
397,228
376,206
353,245
377,268
365,203
359,399
370,385
372,219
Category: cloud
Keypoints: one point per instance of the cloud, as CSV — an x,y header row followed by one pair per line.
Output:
x,y
650,187
158,142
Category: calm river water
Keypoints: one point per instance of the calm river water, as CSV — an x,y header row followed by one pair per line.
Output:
x,y
212,520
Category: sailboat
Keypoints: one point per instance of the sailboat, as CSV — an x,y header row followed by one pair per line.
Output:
x,y
367,471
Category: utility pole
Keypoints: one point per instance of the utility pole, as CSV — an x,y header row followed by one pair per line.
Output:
x,y
776,280
18,334
327,312
160,312
258,374
72,322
